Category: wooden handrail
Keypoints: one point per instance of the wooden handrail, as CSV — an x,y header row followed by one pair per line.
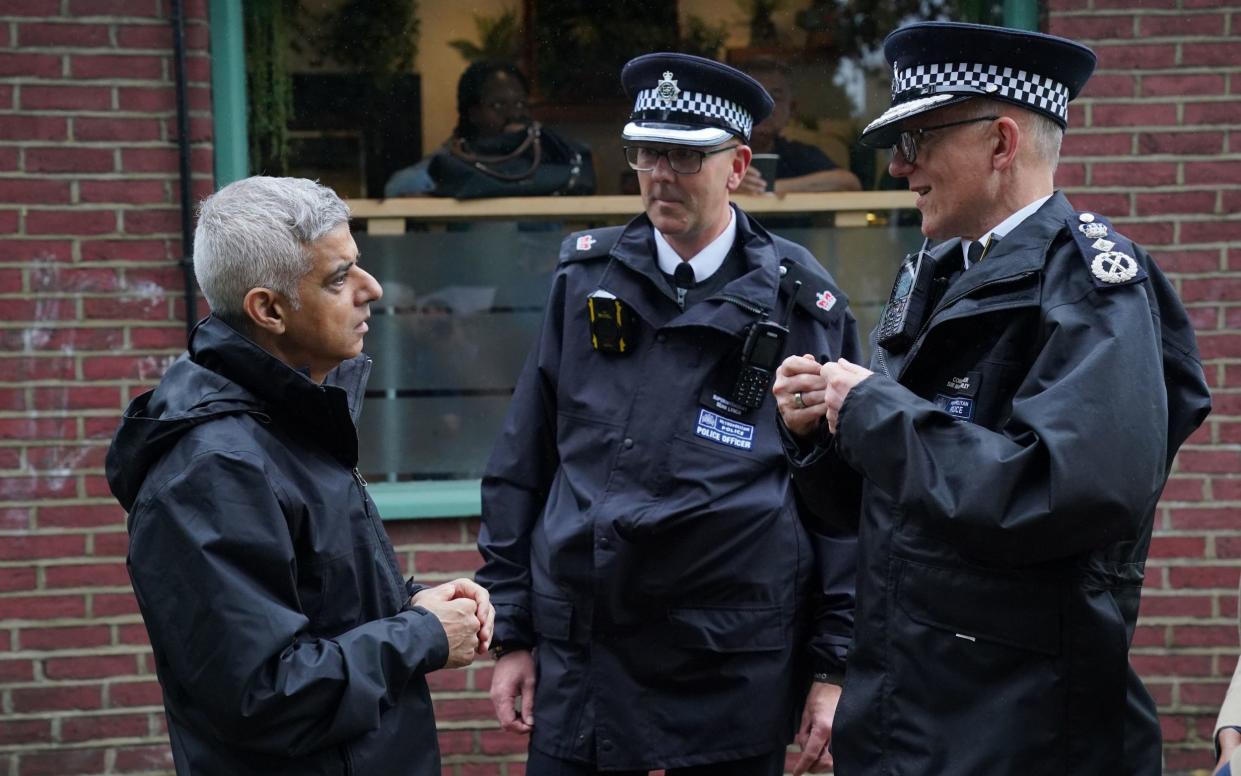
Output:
x,y
387,216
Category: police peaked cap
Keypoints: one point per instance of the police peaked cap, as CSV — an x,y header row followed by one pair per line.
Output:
x,y
689,100
935,64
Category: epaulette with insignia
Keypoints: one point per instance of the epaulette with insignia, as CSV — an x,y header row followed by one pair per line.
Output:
x,y
590,244
1109,255
816,295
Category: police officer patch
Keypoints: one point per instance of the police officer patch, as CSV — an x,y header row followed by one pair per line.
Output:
x,y
1114,267
721,430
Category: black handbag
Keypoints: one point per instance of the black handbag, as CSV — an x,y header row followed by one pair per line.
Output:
x,y
531,163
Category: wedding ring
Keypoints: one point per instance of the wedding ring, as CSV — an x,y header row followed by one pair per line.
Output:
x,y
798,401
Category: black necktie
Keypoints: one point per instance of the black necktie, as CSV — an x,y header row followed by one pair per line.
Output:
x,y
683,278
979,250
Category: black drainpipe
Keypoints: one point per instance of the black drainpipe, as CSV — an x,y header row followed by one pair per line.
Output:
x,y
183,143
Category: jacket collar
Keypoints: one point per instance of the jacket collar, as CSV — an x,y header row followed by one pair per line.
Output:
x,y
222,349
634,276
1022,251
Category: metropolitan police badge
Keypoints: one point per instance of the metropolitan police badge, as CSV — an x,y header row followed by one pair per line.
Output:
x,y
666,89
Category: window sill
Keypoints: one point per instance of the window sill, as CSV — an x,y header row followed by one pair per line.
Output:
x,y
427,500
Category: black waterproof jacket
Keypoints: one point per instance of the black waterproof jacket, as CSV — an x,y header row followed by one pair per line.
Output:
x,y
1012,460
649,545
279,620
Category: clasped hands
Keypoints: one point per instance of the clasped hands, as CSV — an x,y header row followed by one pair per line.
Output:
x,y
464,608
806,391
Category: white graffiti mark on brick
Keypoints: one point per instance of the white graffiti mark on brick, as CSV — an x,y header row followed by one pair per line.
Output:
x,y
153,367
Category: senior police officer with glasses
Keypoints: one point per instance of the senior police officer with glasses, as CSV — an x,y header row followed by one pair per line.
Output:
x,y
659,604
1034,373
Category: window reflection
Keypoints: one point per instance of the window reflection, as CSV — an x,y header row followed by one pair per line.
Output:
x,y
352,92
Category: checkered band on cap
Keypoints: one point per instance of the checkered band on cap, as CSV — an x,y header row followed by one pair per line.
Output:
x,y
717,110
1039,92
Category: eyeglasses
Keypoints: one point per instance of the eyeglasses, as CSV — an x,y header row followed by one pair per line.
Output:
x,y
907,142
683,161
509,107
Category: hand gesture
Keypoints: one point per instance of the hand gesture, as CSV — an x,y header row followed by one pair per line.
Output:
x,y
513,678
753,183
816,729
840,377
464,609
799,389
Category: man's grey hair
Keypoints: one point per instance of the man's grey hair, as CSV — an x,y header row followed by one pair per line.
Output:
x,y
257,233
1045,135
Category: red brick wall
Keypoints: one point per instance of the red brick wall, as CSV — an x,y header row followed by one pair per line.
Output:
x,y
90,314
1156,145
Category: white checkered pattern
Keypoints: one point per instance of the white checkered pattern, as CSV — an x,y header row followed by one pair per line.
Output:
x,y
1039,92
699,104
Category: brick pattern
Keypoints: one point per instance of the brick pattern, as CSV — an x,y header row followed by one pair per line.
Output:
x,y
1156,146
90,315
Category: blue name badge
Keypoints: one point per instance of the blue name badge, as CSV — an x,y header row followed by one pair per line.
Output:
x,y
961,407
721,430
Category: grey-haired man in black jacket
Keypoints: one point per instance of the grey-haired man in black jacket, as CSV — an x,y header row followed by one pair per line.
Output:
x,y
285,640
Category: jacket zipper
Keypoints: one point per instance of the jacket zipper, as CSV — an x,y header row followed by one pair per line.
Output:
x,y
744,304
399,595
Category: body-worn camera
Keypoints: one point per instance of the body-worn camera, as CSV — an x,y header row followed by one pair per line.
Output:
x,y
611,324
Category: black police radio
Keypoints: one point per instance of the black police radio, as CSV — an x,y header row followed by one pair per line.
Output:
x,y
906,308
760,355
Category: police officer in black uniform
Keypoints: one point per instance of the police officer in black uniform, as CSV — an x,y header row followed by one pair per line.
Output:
x,y
1033,376
659,602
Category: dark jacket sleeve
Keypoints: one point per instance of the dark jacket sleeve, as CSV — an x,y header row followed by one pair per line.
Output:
x,y
835,552
214,569
1077,464
829,489
518,478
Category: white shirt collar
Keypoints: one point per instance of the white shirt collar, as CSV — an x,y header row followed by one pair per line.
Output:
x,y
1005,226
706,261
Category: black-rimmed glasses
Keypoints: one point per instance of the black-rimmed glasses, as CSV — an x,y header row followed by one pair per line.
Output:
x,y
683,161
907,141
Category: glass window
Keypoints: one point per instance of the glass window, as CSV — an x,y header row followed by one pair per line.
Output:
x,y
358,93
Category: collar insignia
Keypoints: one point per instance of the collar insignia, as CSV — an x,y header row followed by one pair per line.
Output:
x,y
1093,230
1114,267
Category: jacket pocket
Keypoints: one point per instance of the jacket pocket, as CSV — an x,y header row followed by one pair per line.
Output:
x,y
971,651
1017,613
731,629
553,617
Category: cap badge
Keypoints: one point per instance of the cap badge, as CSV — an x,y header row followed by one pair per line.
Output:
x,y
1093,230
1114,267
666,89
825,300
